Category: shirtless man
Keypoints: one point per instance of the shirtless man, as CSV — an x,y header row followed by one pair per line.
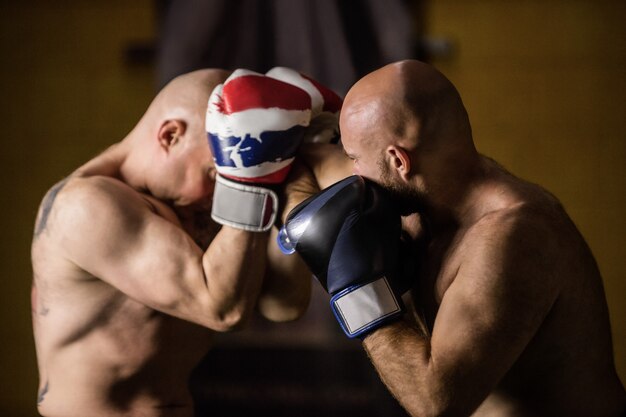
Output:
x,y
508,313
131,275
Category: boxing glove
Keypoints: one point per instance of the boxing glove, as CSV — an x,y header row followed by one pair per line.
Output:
x,y
325,105
349,237
254,125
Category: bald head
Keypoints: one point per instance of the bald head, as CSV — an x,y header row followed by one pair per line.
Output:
x,y
167,151
412,102
184,100
405,127
187,93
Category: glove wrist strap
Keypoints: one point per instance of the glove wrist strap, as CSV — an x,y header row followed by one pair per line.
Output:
x,y
243,206
365,307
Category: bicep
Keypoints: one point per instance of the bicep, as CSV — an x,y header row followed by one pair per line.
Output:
x,y
488,315
114,235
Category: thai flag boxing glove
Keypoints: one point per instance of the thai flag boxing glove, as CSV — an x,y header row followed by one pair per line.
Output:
x,y
325,105
254,124
349,236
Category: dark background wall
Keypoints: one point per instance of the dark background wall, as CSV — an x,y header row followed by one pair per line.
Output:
x,y
543,82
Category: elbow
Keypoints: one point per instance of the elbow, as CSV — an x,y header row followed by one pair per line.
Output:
x,y
283,313
437,405
291,313
435,397
283,309
430,410
227,321
236,317
222,316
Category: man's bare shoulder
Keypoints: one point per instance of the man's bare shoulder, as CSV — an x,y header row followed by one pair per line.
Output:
x,y
528,240
98,186
517,226
516,201
70,211
77,201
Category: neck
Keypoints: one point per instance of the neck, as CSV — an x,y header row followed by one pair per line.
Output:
x,y
136,162
115,162
454,202
108,163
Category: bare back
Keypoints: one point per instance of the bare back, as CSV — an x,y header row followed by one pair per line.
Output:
x,y
99,351
527,284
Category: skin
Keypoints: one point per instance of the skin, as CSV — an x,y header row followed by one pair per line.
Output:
x,y
508,315
132,277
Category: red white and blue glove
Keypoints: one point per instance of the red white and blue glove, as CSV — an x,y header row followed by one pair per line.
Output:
x,y
325,105
255,125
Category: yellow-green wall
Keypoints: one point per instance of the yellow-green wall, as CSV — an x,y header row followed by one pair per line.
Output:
x,y
66,95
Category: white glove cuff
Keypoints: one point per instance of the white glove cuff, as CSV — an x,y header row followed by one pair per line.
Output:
x,y
363,308
242,206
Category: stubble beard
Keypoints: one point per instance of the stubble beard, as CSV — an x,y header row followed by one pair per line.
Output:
x,y
409,200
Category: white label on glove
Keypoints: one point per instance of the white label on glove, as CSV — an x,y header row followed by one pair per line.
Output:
x,y
243,207
367,304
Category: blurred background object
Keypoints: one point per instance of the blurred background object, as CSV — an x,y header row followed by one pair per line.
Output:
x,y
334,41
543,83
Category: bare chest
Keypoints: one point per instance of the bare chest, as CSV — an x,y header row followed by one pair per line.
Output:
x,y
438,267
85,318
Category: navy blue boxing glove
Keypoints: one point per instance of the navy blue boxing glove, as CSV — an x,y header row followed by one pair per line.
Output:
x,y
349,237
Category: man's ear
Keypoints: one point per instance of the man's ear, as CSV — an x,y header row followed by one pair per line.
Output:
x,y
170,133
399,161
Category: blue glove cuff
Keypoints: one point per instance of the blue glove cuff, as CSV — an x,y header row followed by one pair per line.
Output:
x,y
359,309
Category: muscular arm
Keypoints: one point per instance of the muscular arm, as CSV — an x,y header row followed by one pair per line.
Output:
x,y
328,162
502,292
287,286
113,233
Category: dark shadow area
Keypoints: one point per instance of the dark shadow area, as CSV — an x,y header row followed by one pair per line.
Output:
x,y
280,381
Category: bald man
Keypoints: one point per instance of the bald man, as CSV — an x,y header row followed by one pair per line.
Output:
x,y
508,315
132,276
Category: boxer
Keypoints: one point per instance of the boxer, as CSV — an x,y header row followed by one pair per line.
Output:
x,y
144,252
506,314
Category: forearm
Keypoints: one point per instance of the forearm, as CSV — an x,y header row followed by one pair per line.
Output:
x,y
287,285
234,266
402,356
327,162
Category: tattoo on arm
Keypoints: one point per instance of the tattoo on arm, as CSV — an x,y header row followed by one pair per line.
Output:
x,y
42,393
46,206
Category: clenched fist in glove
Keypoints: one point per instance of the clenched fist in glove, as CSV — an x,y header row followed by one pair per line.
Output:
x,y
325,105
255,124
349,236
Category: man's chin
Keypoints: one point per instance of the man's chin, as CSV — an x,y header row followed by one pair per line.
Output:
x,y
407,200
407,208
